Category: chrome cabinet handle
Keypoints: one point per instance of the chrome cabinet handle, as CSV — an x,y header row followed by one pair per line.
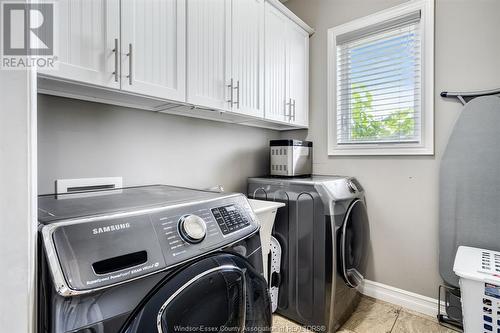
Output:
x,y
293,109
284,111
289,104
129,55
237,88
230,86
115,50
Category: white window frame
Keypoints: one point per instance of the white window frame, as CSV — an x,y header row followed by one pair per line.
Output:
x,y
426,145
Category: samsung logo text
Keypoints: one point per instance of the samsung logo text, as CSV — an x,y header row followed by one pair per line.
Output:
x,y
110,228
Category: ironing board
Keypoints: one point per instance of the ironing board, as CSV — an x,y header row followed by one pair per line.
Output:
x,y
469,184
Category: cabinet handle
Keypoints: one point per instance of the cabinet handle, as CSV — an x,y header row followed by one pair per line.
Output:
x,y
294,109
230,86
289,104
237,93
115,50
129,55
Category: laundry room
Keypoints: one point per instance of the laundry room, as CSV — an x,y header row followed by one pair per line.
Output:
x,y
255,165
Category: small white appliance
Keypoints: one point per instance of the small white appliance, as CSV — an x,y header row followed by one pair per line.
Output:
x,y
291,158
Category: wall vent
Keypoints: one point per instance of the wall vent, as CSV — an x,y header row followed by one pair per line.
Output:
x,y
87,184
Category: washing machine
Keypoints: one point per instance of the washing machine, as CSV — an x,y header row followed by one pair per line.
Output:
x,y
150,259
324,235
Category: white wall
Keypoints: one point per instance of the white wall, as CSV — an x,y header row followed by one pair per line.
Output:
x,y
83,139
402,192
17,205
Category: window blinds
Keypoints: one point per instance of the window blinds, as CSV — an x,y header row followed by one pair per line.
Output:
x,y
378,83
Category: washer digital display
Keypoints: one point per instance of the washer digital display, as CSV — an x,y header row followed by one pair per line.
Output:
x,y
229,219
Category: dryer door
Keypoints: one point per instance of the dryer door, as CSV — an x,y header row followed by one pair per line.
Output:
x,y
218,293
354,244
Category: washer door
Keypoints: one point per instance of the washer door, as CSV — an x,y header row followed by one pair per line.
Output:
x,y
217,294
354,244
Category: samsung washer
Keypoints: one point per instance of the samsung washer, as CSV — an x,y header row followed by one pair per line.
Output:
x,y
324,235
150,259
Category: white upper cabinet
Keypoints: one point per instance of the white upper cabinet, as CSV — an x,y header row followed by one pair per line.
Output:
x,y
286,69
248,58
247,70
208,53
275,65
298,74
153,48
88,32
226,55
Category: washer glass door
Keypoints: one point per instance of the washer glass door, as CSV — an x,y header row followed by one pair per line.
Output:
x,y
214,301
219,293
354,244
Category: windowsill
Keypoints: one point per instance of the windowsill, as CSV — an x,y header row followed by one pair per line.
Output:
x,y
378,151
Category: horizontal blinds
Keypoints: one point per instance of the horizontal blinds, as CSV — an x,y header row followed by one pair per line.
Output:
x,y
378,83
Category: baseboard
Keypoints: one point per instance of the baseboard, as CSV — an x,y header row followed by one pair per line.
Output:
x,y
412,301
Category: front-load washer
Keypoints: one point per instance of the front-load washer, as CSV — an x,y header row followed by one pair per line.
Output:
x,y
150,259
324,235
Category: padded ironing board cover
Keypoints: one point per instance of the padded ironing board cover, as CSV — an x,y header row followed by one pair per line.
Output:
x,y
470,184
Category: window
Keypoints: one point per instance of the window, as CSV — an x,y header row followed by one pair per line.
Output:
x,y
380,85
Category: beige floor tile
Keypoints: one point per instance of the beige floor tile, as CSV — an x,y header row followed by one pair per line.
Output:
x,y
283,325
418,314
412,323
372,317
375,300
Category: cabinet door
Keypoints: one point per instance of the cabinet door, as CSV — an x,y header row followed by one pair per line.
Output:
x,y
248,56
153,47
298,74
275,65
209,53
87,32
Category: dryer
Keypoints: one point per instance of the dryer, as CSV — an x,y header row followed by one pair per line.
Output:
x,y
150,259
324,234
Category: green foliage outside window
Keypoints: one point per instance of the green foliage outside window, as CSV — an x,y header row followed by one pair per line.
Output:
x,y
397,124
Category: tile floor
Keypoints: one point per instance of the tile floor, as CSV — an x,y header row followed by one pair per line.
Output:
x,y
374,316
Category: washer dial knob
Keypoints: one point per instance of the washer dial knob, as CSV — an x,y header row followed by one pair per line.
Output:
x,y
192,228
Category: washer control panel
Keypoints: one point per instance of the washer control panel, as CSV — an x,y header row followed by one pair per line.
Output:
x,y
190,231
111,250
230,219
